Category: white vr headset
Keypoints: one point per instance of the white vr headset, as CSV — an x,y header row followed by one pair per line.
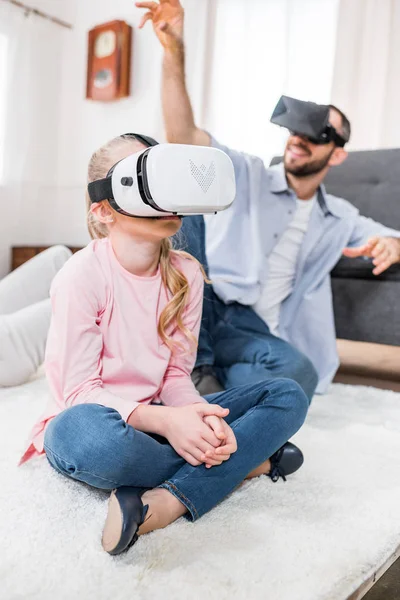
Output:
x,y
165,179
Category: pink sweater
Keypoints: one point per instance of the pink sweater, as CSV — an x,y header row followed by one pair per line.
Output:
x,y
103,345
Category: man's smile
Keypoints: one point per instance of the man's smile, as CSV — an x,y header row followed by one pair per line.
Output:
x,y
298,151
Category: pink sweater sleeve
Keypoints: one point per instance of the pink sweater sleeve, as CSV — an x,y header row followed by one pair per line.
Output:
x,y
75,344
178,388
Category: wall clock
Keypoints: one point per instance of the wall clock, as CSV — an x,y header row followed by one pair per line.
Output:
x,y
109,61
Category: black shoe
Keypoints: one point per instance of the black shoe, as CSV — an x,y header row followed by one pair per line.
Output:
x,y
125,515
285,461
205,380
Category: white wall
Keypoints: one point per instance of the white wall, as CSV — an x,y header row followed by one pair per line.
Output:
x,y
48,206
53,210
62,9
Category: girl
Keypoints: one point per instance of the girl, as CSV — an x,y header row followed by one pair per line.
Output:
x,y
126,416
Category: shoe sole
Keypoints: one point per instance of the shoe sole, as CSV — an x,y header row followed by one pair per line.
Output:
x,y
113,526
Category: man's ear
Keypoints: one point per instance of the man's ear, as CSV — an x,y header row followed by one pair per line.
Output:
x,y
338,157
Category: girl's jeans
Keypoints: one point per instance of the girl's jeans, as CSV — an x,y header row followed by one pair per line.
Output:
x,y
93,444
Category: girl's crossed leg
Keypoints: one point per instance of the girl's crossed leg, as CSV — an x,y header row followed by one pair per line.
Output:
x,y
93,444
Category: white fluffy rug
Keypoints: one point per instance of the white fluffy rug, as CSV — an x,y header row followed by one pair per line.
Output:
x,y
316,537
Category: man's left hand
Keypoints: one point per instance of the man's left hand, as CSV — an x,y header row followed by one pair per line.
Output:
x,y
385,251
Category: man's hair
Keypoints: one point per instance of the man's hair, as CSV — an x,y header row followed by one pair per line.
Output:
x,y
345,129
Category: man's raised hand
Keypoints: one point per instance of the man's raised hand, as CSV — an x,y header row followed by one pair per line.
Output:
x,y
167,19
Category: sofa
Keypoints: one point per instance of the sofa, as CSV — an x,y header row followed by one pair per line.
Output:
x,y
366,307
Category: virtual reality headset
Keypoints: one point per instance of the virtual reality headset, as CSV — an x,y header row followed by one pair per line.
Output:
x,y
306,119
168,179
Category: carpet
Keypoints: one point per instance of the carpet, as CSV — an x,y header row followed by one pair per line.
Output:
x,y
316,537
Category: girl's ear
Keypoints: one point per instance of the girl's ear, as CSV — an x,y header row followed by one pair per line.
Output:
x,y
338,157
102,212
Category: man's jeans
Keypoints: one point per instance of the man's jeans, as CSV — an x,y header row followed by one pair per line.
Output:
x,y
93,444
234,339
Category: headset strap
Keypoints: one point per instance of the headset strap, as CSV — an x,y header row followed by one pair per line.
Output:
x,y
144,139
100,190
338,139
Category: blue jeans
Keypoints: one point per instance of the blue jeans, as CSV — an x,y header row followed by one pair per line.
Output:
x,y
234,339
93,444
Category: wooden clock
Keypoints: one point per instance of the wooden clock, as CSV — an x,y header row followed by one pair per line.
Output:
x,y
109,61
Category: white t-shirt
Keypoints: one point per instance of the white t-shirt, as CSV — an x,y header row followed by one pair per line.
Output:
x,y
282,264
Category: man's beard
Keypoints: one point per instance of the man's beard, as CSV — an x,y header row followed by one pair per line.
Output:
x,y
311,168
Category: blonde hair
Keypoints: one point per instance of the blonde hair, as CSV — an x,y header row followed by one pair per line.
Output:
x,y
175,282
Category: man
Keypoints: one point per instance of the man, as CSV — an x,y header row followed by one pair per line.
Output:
x,y
273,250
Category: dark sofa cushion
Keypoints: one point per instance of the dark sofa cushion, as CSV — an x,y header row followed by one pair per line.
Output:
x,y
369,179
366,310
358,268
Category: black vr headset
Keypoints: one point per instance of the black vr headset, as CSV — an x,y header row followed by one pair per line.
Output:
x,y
306,119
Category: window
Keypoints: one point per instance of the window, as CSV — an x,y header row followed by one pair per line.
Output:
x,y
262,49
3,93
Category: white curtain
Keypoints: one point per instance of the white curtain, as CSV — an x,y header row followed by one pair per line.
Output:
x,y
29,120
31,89
254,52
366,82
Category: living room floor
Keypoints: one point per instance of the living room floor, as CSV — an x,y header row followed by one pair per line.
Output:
x,y
388,586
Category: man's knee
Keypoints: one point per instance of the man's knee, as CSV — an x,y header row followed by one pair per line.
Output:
x,y
299,367
289,395
306,368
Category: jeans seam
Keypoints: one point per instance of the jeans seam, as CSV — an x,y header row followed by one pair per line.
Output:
x,y
114,483
168,485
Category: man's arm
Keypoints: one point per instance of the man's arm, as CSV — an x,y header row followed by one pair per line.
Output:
x,y
168,18
177,109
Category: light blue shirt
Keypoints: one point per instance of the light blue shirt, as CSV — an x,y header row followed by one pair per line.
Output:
x,y
240,240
